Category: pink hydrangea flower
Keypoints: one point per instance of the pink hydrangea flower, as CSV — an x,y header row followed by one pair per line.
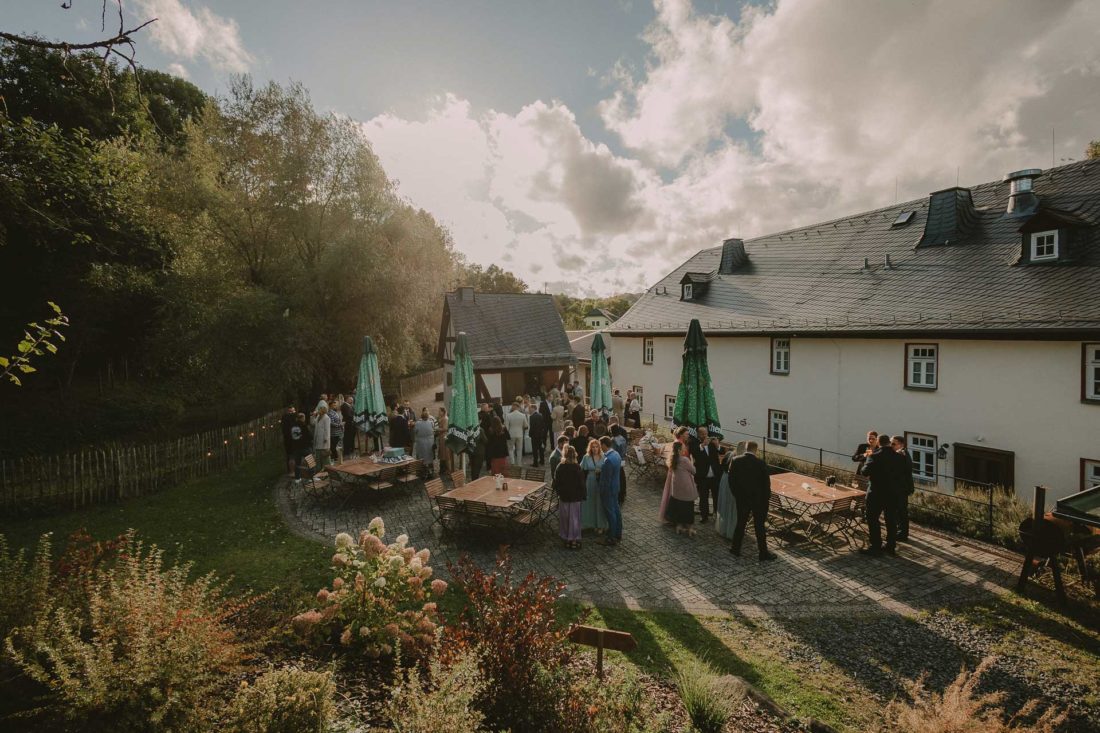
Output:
x,y
439,587
304,622
337,583
429,608
322,595
345,638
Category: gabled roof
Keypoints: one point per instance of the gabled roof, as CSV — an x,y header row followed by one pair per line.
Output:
x,y
812,279
581,343
600,313
509,330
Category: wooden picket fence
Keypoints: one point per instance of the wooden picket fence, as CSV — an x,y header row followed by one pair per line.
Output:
x,y
120,471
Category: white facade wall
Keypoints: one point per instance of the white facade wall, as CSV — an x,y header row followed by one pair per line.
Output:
x,y
1020,396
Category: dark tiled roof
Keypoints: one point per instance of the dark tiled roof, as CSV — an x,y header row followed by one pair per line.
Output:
x,y
601,313
812,279
511,330
581,343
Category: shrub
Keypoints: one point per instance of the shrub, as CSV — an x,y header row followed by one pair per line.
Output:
x,y
289,700
24,585
707,702
617,703
142,650
443,702
524,651
382,595
961,710
967,512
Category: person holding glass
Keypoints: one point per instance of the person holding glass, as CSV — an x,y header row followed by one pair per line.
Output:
x,y
592,514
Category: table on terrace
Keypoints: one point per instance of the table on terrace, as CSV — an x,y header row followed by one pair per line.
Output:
x,y
485,490
818,507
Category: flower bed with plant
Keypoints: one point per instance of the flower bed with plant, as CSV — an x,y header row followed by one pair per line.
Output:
x,y
381,596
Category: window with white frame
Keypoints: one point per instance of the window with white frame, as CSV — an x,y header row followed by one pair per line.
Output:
x,y
781,356
687,291
1044,246
647,351
670,406
921,363
1090,474
922,449
1090,375
777,426
639,395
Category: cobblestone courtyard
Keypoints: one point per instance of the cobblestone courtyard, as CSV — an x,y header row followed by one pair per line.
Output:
x,y
656,569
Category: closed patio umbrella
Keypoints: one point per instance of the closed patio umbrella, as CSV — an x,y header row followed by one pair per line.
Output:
x,y
370,407
600,389
463,429
695,404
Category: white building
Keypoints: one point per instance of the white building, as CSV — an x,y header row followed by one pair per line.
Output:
x,y
969,321
598,318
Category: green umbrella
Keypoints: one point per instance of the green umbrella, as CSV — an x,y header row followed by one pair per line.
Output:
x,y
695,405
463,428
600,392
370,408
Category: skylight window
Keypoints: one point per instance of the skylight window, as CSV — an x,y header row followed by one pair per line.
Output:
x,y
903,218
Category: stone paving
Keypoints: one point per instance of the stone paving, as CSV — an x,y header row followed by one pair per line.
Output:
x,y
656,569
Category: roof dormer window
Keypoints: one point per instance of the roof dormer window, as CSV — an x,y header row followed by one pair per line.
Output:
x,y
1044,246
687,291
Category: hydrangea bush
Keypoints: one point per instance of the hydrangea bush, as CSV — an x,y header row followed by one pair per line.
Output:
x,y
381,595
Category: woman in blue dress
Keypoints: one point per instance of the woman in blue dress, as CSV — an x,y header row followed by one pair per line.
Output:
x,y
726,516
592,515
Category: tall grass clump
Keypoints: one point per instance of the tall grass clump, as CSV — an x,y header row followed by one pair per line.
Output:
x,y
962,709
289,700
708,702
442,701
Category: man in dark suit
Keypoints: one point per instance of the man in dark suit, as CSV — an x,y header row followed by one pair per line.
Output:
x,y
883,469
704,451
547,418
907,487
861,454
537,429
578,414
752,488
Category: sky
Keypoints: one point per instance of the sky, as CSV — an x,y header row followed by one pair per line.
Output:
x,y
592,146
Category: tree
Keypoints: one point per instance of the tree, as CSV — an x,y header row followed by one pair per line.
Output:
x,y
493,279
1093,150
121,44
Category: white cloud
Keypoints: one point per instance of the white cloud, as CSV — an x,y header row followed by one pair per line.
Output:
x,y
178,70
840,99
196,33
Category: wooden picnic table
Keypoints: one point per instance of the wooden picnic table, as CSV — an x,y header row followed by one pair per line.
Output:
x,y
484,489
360,470
789,486
815,507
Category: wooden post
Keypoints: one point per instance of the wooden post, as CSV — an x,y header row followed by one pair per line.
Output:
x,y
600,638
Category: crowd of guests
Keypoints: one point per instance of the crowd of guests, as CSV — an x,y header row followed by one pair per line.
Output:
x,y
587,457
327,432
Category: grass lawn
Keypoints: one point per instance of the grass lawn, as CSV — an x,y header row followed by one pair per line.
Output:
x,y
227,523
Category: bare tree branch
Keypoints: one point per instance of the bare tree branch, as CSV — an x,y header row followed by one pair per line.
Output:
x,y
123,37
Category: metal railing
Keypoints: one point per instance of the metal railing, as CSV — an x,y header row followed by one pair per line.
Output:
x,y
943,500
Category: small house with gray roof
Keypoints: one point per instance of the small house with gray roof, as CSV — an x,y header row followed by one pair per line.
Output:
x,y
967,321
517,342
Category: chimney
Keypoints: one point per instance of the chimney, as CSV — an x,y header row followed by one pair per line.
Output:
x,y
886,262
1022,200
733,256
866,263
951,217
466,294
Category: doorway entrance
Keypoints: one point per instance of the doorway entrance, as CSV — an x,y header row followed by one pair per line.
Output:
x,y
980,465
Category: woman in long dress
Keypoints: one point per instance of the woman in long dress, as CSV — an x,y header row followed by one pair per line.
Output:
x,y
424,438
592,514
726,516
679,443
571,491
682,490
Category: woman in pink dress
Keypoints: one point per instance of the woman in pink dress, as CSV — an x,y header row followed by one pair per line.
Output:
x,y
680,437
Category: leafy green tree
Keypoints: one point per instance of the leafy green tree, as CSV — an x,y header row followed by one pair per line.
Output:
x,y
1093,150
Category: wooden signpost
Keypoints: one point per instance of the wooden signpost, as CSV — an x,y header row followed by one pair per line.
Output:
x,y
619,641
